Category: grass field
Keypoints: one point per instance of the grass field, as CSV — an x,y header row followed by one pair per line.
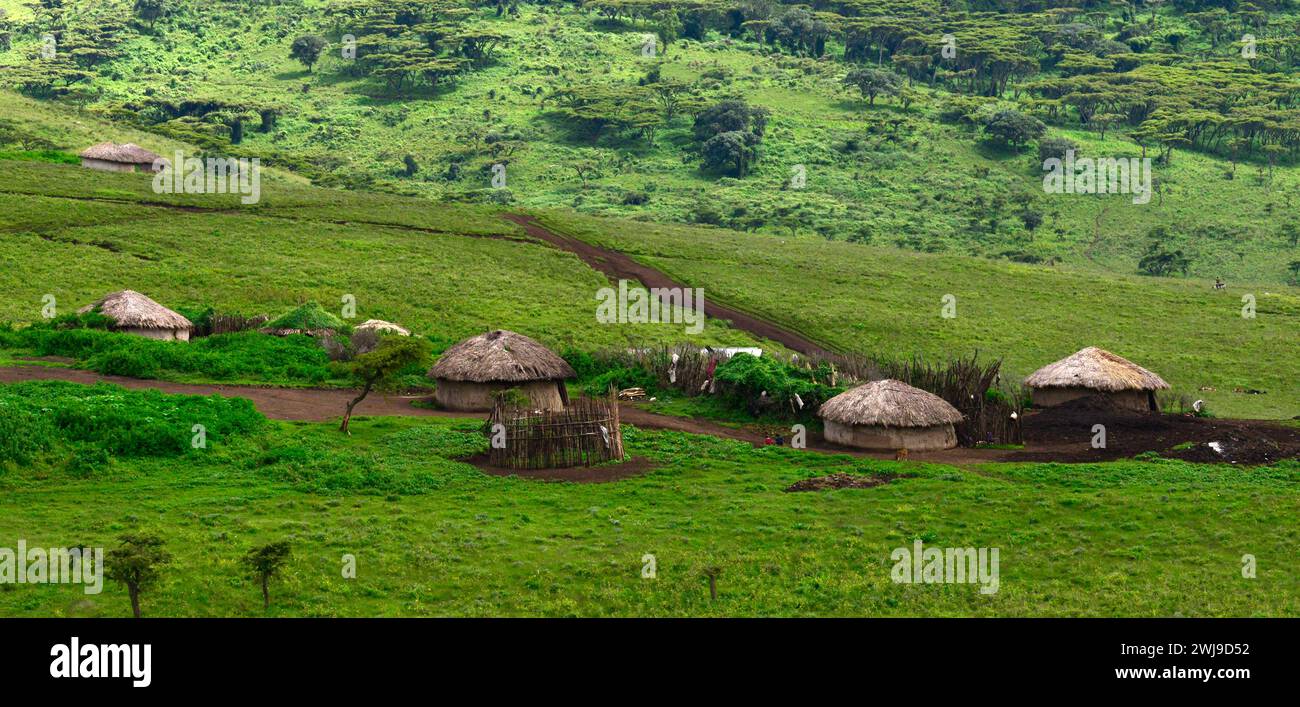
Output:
x,y
432,536
78,234
446,271
890,301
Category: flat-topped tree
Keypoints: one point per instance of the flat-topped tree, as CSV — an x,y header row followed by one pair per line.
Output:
x,y
380,368
136,564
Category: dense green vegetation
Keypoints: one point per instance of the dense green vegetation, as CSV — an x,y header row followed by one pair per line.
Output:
x,y
430,96
245,357
78,426
433,536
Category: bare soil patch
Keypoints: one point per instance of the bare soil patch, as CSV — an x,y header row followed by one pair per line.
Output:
x,y
1064,433
838,481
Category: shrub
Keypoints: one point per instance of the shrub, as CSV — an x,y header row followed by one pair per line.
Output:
x,y
44,415
1055,147
620,378
745,378
124,362
239,356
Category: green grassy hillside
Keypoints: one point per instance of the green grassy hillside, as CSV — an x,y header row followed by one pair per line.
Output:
x,y
457,270
872,299
451,271
435,537
893,173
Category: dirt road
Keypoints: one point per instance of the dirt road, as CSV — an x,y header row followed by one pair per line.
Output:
x,y
616,266
319,405
1051,441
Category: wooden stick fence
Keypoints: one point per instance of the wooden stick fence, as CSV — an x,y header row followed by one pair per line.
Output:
x,y
586,432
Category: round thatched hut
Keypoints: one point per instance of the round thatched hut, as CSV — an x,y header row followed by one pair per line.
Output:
x,y
890,414
382,327
1094,371
110,157
309,319
135,313
471,371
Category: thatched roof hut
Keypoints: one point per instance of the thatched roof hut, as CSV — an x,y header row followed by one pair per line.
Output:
x,y
112,157
309,319
382,327
1094,371
135,313
890,414
470,372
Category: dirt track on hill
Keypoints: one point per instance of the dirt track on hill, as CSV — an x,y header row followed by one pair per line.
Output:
x,y
617,266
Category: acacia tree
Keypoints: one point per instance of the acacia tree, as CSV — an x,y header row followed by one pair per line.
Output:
x,y
1012,128
265,562
307,49
378,368
136,564
874,82
150,10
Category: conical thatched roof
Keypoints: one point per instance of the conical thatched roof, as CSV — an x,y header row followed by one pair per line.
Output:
x,y
889,403
382,326
1096,369
500,356
129,153
129,308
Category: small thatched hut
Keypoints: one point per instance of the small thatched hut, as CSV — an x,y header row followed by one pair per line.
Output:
x,y
890,414
1094,371
111,157
382,327
471,371
135,313
309,319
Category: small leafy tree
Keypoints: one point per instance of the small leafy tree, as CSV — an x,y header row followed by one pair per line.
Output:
x,y
307,49
378,368
136,564
150,10
1055,147
1012,128
265,562
733,152
874,82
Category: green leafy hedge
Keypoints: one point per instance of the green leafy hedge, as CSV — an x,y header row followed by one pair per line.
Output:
x,y
239,356
53,416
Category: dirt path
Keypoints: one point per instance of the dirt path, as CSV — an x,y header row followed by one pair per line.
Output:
x,y
1050,441
320,405
616,266
311,404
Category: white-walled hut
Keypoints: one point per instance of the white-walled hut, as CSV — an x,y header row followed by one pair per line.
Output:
x,y
111,157
889,415
470,372
1094,371
134,313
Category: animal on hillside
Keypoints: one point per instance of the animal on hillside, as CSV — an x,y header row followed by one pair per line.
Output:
x,y
901,455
